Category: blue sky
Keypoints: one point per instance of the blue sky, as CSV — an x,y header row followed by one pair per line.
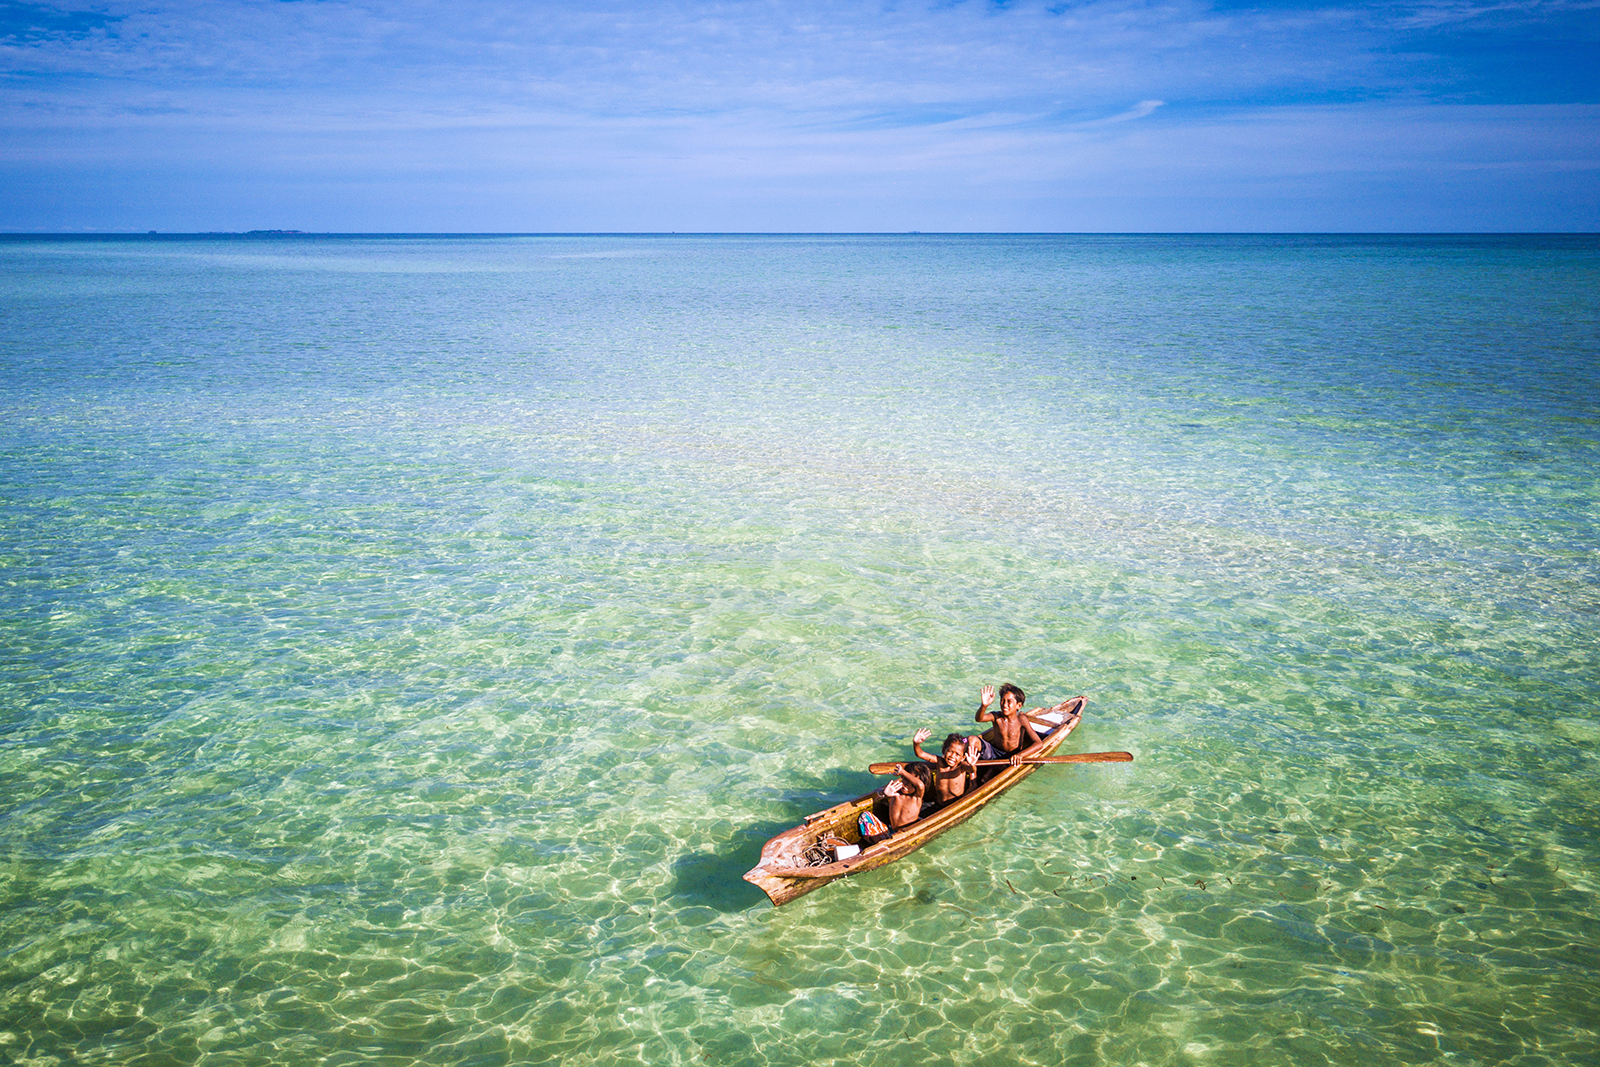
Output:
x,y
1110,115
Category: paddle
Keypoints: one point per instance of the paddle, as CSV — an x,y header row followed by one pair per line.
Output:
x,y
1081,757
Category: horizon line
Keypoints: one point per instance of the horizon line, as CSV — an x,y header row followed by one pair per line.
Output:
x,y
289,234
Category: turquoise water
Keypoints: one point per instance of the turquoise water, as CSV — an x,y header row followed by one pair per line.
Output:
x,y
408,642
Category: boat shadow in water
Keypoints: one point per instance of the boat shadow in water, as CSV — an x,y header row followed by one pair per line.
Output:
x,y
715,878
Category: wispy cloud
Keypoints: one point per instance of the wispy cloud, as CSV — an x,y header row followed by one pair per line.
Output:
x,y
1140,110
1436,13
811,102
26,23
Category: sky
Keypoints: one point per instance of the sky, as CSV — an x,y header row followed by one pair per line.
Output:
x,y
815,116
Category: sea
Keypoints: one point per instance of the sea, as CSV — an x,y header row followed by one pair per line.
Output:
x,y
407,643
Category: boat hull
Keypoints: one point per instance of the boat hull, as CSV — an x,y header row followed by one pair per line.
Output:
x,y
784,875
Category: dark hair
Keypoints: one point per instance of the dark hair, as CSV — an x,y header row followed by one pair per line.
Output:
x,y
1004,689
921,772
953,739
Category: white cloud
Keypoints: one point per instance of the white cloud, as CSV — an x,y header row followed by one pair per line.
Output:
x,y
615,115
1140,110
630,59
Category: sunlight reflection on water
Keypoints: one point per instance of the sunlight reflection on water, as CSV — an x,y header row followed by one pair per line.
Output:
x,y
403,671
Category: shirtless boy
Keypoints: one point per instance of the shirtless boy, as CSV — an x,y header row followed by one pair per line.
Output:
x,y
954,769
905,794
1010,731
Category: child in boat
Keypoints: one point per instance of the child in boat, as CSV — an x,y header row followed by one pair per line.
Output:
x,y
906,793
954,769
1010,731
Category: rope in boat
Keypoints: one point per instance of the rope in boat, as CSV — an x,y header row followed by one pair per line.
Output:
x,y
820,852
817,856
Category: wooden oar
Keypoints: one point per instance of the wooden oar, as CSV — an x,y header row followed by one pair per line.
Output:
x,y
1081,757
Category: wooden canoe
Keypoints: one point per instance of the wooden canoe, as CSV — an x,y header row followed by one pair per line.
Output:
x,y
783,873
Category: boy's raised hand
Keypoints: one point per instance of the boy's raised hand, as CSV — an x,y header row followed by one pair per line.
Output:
x,y
987,696
921,736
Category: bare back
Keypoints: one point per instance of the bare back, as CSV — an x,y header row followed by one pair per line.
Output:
x,y
905,795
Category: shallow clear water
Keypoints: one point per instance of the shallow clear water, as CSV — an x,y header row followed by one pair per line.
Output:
x,y
407,643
